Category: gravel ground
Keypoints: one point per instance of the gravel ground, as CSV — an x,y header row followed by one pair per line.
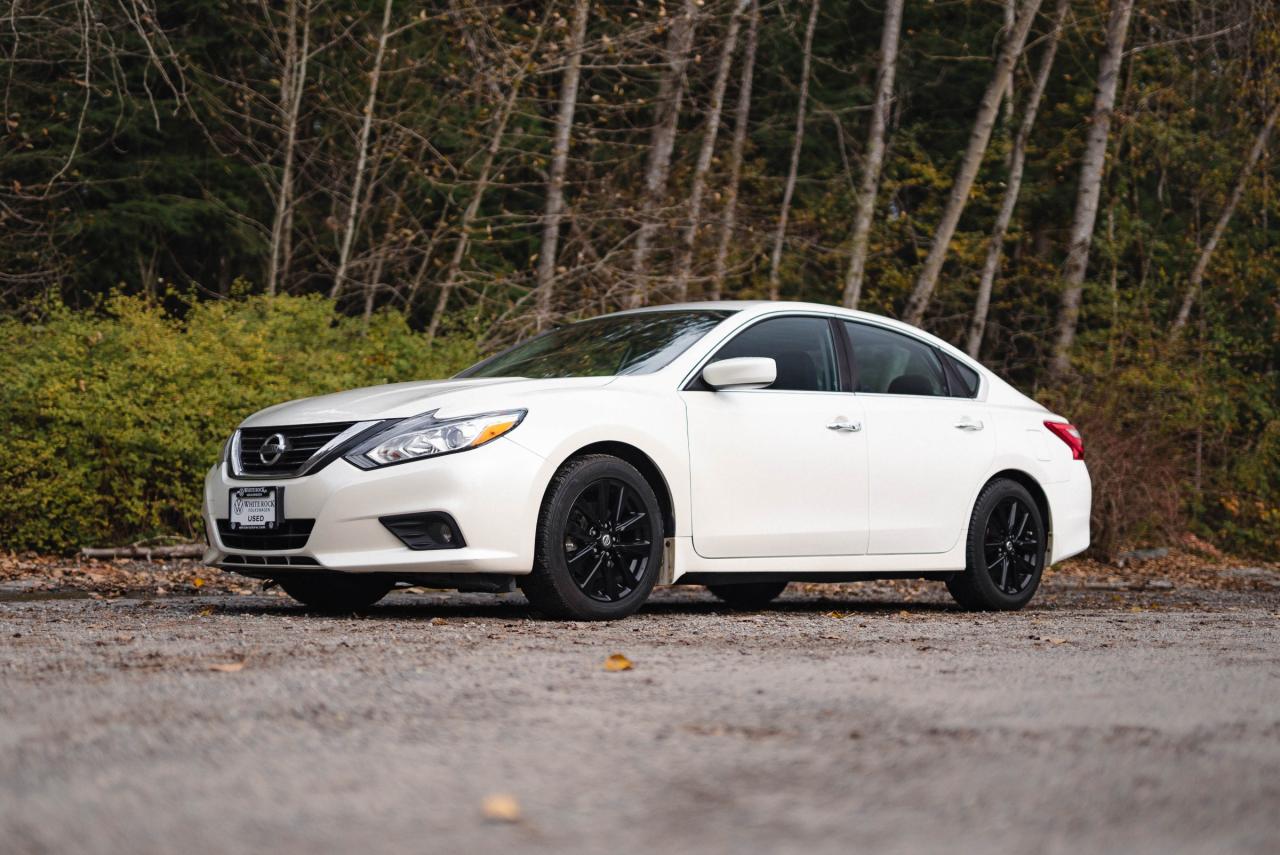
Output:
x,y
1121,713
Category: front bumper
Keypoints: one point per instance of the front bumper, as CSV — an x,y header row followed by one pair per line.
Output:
x,y
493,493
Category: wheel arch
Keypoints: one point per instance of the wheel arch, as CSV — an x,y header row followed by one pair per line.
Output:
x,y
644,465
1037,492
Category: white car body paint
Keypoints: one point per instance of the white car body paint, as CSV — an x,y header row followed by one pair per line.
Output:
x,y
757,481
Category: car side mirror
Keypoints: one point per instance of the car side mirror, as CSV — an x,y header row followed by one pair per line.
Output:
x,y
744,372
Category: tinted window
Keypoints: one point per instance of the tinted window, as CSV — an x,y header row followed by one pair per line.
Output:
x,y
638,343
890,363
962,379
802,347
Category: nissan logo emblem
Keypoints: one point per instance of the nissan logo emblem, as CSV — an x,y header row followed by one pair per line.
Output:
x,y
273,448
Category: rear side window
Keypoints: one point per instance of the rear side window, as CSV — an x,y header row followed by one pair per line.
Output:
x,y
962,379
889,363
802,348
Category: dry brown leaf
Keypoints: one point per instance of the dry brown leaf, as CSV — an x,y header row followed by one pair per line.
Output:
x,y
227,667
837,615
501,807
617,662
205,612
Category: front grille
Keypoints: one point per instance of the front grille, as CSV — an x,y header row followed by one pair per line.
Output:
x,y
301,441
291,534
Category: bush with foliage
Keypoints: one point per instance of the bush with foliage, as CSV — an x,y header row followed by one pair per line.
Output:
x,y
112,418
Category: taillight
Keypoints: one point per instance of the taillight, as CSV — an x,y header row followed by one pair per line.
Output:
x,y
1068,434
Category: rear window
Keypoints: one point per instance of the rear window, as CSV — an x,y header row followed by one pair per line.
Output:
x,y
962,379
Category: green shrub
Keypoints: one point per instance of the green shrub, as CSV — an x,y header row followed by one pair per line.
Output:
x,y
111,419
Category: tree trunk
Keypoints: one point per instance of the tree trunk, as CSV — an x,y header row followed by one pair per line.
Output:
x,y
362,155
789,189
1017,162
482,184
864,213
979,137
293,79
742,115
1091,167
662,142
1224,220
703,166
554,211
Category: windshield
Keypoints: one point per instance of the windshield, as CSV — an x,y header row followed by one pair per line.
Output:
x,y
638,343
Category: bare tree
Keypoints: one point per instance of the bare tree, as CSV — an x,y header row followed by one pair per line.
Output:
x,y
1224,220
1017,162
293,79
662,143
874,159
362,155
703,166
742,115
789,189
1092,164
482,181
979,137
553,213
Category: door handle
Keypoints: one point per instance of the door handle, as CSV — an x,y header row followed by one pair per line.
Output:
x,y
848,427
969,424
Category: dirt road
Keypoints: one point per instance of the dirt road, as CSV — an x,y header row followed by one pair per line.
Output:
x,y
860,718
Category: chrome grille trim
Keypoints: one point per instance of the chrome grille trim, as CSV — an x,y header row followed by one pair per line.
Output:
x,y
317,458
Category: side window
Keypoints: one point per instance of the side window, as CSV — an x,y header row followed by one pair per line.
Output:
x,y
802,347
889,363
962,378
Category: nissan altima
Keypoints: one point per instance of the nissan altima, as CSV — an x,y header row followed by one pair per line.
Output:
x,y
740,446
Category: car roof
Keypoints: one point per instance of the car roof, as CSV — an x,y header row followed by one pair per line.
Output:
x,y
761,307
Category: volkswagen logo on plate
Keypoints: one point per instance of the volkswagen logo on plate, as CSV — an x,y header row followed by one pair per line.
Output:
x,y
273,448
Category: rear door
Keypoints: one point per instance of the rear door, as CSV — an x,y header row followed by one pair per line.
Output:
x,y
780,471
928,448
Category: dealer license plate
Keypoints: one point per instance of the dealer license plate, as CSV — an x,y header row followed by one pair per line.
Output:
x,y
256,507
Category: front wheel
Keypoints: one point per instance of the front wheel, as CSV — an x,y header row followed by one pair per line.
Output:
x,y
599,542
336,592
1006,550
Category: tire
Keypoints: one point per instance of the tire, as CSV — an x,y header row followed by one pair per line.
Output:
x,y
748,596
1005,551
336,592
599,542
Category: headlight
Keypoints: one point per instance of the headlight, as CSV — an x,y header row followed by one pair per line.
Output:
x,y
427,436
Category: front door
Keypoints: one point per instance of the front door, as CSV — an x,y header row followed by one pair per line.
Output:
x,y
780,471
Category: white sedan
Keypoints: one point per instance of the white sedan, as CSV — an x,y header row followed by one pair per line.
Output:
x,y
734,445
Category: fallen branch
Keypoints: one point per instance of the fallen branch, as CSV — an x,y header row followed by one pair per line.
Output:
x,y
180,550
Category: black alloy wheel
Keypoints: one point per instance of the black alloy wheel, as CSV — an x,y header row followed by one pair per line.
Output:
x,y
1011,546
599,541
1005,551
607,540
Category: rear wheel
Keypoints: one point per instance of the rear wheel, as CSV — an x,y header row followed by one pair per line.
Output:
x,y
749,595
1006,550
336,592
599,542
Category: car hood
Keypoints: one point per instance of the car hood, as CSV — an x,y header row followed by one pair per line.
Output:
x,y
401,400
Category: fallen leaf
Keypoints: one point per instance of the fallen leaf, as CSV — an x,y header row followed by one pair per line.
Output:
x,y
904,613
198,582
438,621
205,612
227,667
501,807
617,662
837,615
